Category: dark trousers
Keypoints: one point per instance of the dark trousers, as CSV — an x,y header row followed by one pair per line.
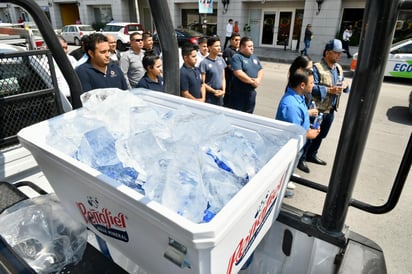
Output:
x,y
305,149
314,145
211,99
227,39
228,91
243,100
345,45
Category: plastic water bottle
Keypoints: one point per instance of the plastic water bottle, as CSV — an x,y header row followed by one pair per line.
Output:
x,y
318,121
339,81
312,105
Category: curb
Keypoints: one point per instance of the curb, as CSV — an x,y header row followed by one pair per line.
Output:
x,y
274,59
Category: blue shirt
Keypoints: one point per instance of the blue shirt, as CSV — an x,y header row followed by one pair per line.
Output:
x,y
250,65
155,50
191,80
292,108
214,70
92,78
148,83
227,56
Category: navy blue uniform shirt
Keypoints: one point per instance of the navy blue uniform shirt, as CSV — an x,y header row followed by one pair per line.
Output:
x,y
148,83
191,80
92,78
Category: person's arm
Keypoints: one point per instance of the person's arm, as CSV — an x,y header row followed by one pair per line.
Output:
x,y
184,89
318,90
124,66
203,92
242,76
259,78
290,112
345,86
207,87
236,64
223,83
226,56
312,133
215,92
188,95
293,114
123,83
313,112
84,79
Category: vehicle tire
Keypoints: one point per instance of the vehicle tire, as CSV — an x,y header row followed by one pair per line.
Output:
x,y
120,46
77,41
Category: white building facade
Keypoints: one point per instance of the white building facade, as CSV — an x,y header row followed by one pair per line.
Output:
x,y
275,23
270,23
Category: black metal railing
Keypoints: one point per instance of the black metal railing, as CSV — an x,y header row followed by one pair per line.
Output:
x,y
28,92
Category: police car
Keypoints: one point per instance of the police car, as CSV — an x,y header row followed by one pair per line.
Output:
x,y
399,62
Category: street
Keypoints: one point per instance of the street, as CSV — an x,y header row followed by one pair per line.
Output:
x,y
388,138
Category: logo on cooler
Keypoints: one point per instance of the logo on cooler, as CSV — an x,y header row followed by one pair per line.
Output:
x,y
262,214
113,225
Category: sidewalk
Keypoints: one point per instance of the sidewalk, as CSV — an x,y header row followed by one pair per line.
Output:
x,y
270,54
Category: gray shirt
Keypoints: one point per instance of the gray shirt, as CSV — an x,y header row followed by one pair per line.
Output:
x,y
214,70
132,67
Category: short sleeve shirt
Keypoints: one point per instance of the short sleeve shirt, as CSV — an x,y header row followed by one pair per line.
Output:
x,y
92,78
228,53
214,71
191,80
132,66
227,56
148,83
250,65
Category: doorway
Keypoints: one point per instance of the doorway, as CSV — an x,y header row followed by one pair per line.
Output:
x,y
69,13
284,27
268,28
276,28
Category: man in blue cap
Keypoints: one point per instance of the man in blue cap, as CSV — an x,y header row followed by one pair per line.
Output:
x,y
329,85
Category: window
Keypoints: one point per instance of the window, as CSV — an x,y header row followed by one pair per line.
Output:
x,y
406,49
107,28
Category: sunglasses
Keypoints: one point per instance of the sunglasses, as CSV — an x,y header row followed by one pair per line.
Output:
x,y
138,40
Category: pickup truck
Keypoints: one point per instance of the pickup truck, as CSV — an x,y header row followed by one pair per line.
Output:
x,y
15,35
304,236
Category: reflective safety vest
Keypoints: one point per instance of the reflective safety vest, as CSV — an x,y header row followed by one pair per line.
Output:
x,y
325,79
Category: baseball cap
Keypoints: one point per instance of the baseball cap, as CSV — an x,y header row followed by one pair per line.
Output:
x,y
335,45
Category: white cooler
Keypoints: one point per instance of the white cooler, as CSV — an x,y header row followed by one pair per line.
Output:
x,y
151,235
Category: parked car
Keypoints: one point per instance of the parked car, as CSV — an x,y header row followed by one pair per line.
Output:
x,y
38,39
73,33
121,32
211,28
399,63
183,36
